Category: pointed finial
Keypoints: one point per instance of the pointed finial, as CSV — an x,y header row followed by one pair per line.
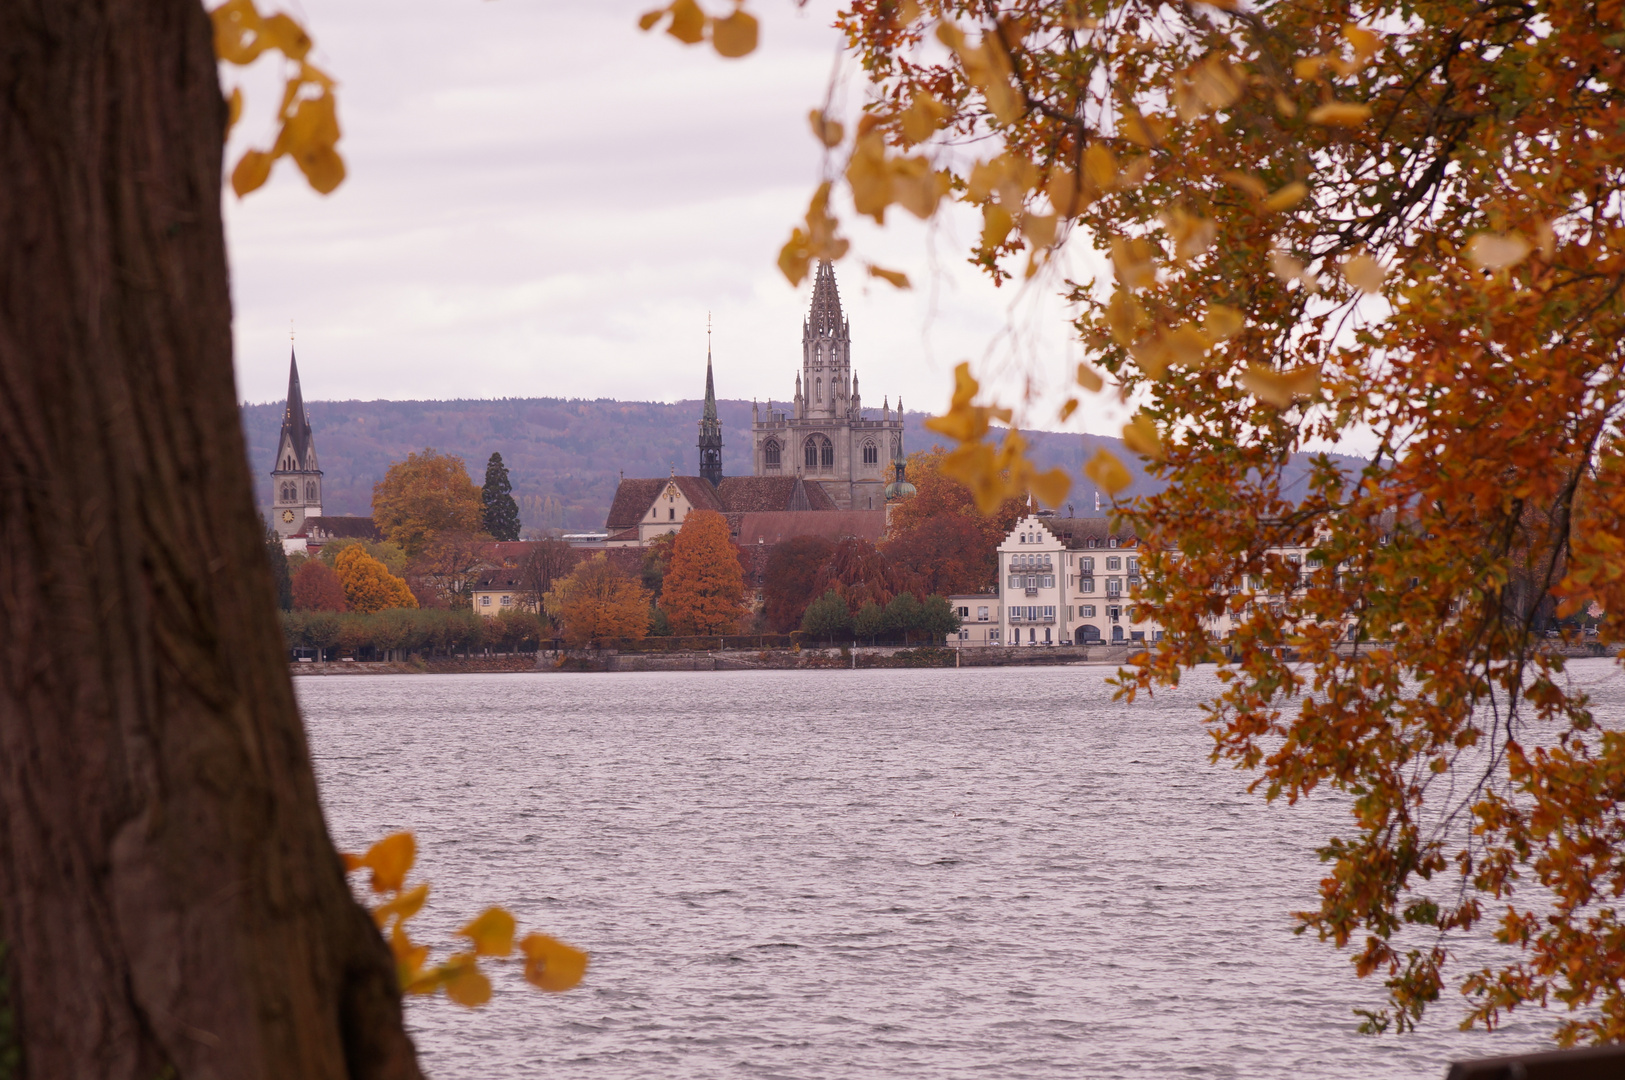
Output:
x,y
290,329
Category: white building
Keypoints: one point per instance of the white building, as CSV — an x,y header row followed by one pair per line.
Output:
x,y
980,622
1067,581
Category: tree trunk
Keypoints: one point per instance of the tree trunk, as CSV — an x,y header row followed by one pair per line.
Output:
x,y
169,896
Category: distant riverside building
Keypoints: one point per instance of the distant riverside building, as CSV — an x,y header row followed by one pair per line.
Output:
x,y
824,437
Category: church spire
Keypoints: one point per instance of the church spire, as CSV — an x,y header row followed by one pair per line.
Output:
x,y
710,443
295,420
826,317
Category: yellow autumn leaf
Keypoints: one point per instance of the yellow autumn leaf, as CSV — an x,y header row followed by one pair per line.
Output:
x,y
895,277
1214,83
551,964
1100,165
465,983
1050,487
972,464
1497,251
1039,228
1068,407
1151,353
1107,472
491,932
1186,345
280,31
869,177
237,37
252,170
1126,316
924,115
649,19
795,258
827,131
1089,378
1280,388
402,907
1287,197
1133,261
351,862
409,961
1192,235
1364,273
322,166
1140,435
996,225
234,108
1340,114
1222,321
1288,270
735,35
687,22
1308,67
1252,185
1365,42
1067,193
915,186
389,860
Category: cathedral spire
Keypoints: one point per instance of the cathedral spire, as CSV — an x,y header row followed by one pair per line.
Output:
x,y
826,317
296,478
710,443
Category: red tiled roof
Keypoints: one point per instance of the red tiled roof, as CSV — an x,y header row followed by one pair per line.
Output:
x,y
759,494
632,500
774,527
500,579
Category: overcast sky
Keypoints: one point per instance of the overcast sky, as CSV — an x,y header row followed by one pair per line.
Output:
x,y
544,201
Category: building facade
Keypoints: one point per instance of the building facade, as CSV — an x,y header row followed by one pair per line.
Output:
x,y
296,480
824,437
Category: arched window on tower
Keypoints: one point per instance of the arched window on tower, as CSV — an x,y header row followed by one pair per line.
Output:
x,y
811,454
770,453
826,453
290,493
819,452
871,453
820,396
310,491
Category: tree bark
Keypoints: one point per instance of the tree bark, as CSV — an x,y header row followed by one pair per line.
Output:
x,y
170,898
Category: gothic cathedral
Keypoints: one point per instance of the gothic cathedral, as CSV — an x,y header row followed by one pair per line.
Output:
x,y
296,482
823,437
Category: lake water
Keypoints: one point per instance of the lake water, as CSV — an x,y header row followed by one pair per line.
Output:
x,y
864,874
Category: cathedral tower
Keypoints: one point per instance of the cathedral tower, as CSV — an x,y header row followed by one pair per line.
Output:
x,y
824,437
710,427
296,481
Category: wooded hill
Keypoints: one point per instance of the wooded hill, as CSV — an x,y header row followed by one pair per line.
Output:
x,y
565,456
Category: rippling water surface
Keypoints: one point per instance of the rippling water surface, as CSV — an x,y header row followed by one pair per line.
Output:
x,y
868,874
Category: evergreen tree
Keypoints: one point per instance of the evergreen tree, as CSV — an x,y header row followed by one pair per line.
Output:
x,y
280,577
501,512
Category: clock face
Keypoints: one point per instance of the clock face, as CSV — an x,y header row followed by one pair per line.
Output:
x,y
287,515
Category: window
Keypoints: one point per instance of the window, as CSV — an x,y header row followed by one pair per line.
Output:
x,y
871,453
981,614
507,601
1086,585
812,454
1048,582
993,634
672,514
1113,541
820,389
485,601
1114,613
826,454
1086,611
1114,563
819,452
770,452
964,613
1091,543
1113,586
1088,565
1133,565
1049,612
310,491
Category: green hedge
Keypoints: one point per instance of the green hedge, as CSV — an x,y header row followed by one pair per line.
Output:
x,y
401,632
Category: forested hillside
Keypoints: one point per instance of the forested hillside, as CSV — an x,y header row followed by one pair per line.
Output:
x,y
564,456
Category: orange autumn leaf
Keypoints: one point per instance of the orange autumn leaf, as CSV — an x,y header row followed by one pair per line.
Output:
x,y
551,964
491,932
389,860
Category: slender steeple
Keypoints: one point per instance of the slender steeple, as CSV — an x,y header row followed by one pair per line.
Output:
x,y
296,478
710,443
826,350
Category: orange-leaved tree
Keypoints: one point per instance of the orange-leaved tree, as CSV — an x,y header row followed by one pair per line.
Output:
x,y
704,586
426,495
368,584
1399,222
597,602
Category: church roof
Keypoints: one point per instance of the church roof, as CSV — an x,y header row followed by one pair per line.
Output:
x,y
753,494
632,500
776,527
295,420
1075,532
825,317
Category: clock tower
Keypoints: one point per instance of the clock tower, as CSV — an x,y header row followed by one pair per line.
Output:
x,y
296,481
